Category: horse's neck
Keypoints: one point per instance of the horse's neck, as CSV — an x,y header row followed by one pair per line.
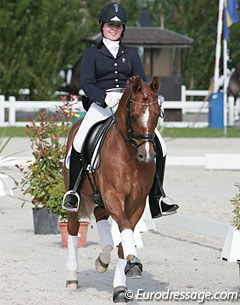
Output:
x,y
121,114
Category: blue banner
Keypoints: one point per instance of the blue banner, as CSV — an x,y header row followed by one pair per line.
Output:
x,y
230,15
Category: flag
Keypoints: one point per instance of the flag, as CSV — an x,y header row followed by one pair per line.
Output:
x,y
230,15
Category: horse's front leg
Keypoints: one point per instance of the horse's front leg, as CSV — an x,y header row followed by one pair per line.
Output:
x,y
72,257
128,264
127,247
105,236
125,268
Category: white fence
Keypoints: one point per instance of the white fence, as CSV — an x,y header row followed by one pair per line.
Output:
x,y
186,106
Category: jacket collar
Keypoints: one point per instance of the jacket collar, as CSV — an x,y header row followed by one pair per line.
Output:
x,y
103,49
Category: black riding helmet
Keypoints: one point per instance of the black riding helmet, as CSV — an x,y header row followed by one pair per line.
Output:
x,y
113,13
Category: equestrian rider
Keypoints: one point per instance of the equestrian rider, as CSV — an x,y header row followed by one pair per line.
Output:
x,y
105,66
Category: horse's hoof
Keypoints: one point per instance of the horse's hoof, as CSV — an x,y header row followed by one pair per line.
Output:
x,y
119,294
100,265
72,284
133,268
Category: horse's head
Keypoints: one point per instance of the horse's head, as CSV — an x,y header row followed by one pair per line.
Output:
x,y
142,113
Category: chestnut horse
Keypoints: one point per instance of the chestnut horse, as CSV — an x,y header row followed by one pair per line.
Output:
x,y
124,177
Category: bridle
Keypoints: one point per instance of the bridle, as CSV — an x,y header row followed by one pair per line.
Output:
x,y
132,136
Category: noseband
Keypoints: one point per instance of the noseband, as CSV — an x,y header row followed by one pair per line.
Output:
x,y
131,135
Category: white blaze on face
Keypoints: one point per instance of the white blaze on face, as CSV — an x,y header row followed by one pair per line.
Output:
x,y
144,120
145,117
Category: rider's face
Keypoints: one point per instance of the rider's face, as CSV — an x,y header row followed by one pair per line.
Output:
x,y
112,31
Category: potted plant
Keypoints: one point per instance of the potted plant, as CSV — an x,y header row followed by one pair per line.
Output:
x,y
54,204
231,249
48,135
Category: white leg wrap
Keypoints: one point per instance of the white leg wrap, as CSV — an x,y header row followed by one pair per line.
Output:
x,y
104,232
72,276
164,147
72,258
105,256
106,241
128,243
119,275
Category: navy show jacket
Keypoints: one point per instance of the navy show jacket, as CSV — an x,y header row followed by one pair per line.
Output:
x,y
101,71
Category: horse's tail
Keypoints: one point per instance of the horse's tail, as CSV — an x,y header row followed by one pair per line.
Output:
x,y
86,208
74,85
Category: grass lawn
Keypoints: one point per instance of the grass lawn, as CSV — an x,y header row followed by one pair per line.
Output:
x,y
200,132
166,132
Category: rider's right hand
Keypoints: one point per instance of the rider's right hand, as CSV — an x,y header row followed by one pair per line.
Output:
x,y
113,98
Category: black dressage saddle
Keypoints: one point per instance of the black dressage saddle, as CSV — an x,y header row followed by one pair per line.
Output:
x,y
95,135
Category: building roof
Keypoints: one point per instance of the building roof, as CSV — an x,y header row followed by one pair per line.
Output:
x,y
149,37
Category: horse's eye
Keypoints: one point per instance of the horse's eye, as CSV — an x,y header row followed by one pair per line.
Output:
x,y
133,118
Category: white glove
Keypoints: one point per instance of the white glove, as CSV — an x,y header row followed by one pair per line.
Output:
x,y
160,100
113,98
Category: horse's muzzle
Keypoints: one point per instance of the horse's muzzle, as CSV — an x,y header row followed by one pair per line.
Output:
x,y
145,154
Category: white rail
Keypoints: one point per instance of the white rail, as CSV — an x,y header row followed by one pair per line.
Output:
x,y
10,108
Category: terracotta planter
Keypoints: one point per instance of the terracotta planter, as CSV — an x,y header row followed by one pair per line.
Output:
x,y
82,234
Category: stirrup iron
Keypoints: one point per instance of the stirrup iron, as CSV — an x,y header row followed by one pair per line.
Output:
x,y
72,193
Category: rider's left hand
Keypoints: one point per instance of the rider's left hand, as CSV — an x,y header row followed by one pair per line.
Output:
x,y
113,98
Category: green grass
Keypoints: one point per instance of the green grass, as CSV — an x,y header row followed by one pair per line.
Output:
x,y
13,131
200,132
166,132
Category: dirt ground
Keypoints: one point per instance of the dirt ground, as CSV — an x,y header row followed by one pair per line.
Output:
x,y
33,267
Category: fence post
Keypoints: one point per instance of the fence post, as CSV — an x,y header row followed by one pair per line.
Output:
x,y
12,110
2,110
183,98
230,111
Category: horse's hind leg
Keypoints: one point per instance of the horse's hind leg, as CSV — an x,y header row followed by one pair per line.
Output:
x,y
106,241
72,258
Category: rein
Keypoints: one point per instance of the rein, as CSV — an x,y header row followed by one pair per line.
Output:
x,y
131,135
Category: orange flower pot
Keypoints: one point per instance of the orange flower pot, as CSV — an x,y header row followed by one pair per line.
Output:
x,y
82,234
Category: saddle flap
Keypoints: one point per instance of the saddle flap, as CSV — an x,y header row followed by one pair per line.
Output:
x,y
95,135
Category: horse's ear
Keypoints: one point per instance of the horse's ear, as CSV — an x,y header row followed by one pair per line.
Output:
x,y
155,84
135,82
130,80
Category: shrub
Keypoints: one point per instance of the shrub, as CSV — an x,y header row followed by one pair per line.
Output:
x,y
236,211
48,137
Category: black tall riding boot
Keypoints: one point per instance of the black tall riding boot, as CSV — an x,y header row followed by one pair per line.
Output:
x,y
72,197
157,195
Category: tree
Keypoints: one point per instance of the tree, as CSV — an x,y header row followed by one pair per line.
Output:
x,y
198,19
38,38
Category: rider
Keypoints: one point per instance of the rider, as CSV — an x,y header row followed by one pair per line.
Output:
x,y
109,65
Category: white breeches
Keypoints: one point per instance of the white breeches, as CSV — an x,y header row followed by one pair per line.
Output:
x,y
95,114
